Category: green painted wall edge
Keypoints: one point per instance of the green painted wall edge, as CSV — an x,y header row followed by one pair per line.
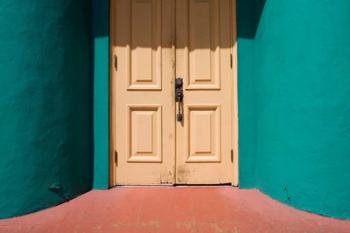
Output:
x,y
100,47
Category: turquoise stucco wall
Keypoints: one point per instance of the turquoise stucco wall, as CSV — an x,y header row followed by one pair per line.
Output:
x,y
100,51
45,111
247,22
294,90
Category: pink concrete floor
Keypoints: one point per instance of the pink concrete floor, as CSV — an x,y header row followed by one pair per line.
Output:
x,y
169,209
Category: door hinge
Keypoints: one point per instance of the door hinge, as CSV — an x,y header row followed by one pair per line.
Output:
x,y
231,156
116,157
115,62
231,60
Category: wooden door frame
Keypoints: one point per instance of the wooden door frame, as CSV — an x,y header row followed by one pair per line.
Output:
x,y
112,114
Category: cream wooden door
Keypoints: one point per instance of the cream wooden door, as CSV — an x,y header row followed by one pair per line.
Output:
x,y
143,122
204,46
152,42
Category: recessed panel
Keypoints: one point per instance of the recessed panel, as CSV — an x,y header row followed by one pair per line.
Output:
x,y
203,133
144,133
145,54
204,51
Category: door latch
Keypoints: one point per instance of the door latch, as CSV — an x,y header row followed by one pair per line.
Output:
x,y
179,95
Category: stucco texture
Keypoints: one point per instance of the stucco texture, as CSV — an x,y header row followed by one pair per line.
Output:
x,y
294,92
45,110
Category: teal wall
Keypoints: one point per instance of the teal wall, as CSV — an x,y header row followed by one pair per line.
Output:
x,y
100,51
294,92
247,22
45,111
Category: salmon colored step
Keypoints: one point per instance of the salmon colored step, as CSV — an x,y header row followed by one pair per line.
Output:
x,y
173,209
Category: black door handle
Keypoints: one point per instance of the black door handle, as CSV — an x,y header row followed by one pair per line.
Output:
x,y
179,95
179,90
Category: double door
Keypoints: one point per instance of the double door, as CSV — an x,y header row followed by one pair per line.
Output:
x,y
172,92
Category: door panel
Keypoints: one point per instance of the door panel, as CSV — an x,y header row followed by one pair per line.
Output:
x,y
204,49
146,52
202,133
144,133
203,59
143,108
